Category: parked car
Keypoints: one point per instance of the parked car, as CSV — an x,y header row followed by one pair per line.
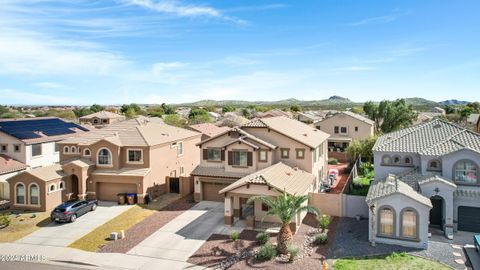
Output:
x,y
476,241
69,211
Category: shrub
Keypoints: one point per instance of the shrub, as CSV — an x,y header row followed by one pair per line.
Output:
x,y
4,221
366,168
266,252
262,238
323,221
321,238
332,161
293,251
234,236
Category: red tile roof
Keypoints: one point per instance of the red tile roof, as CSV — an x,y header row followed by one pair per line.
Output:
x,y
8,165
209,129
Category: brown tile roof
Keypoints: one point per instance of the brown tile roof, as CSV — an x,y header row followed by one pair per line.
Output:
x,y
294,129
244,136
48,173
102,115
209,129
216,172
279,176
141,131
8,165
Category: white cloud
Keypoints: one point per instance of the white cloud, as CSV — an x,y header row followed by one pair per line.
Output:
x,y
165,66
375,20
48,85
22,97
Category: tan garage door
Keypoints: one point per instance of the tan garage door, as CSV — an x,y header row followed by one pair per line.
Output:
x,y
109,191
210,191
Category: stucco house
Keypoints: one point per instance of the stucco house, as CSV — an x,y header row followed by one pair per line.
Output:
x,y
208,130
102,118
8,168
136,156
426,176
264,156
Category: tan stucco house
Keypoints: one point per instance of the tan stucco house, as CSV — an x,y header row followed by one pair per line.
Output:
x,y
102,118
426,179
264,156
136,156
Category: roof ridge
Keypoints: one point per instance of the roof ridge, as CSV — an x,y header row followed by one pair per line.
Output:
x,y
449,138
412,129
141,134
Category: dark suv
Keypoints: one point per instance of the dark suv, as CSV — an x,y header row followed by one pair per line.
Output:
x,y
69,211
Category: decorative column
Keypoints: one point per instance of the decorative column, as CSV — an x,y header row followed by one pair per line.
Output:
x,y
237,207
228,218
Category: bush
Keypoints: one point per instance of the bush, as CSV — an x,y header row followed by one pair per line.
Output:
x,y
332,161
262,238
293,251
324,221
321,238
266,252
4,221
366,168
234,236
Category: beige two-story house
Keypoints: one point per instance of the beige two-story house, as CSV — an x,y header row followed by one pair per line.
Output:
x,y
134,156
102,118
265,156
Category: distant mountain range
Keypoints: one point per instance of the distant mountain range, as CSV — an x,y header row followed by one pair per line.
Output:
x,y
453,102
334,102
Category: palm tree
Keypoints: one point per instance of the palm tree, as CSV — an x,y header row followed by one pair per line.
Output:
x,y
285,207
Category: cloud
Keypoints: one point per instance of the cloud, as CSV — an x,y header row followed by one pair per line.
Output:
x,y
48,85
375,20
22,97
165,66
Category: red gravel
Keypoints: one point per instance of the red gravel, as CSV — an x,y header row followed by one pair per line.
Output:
x,y
219,247
140,231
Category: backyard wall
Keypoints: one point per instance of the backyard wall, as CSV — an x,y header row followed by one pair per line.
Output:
x,y
353,206
339,205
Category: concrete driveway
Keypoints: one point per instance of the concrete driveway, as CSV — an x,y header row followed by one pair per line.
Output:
x,y
182,236
62,234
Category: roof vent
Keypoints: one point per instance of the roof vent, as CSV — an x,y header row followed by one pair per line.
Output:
x,y
305,134
295,168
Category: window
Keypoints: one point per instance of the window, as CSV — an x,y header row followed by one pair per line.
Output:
x,y
62,185
301,153
52,188
86,152
285,152
57,148
73,149
16,147
214,154
240,158
265,207
386,160
36,149
4,148
356,129
66,150
104,157
409,223
396,160
343,130
179,149
408,160
34,194
386,221
20,194
262,155
336,130
135,156
104,121
434,165
95,121
465,171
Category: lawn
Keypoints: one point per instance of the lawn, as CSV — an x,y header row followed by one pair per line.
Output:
x,y
397,261
23,224
99,236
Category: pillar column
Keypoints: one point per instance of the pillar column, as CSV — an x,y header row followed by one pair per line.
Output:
x,y
237,207
228,217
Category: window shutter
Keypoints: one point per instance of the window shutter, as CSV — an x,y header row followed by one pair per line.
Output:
x,y
249,158
230,158
222,155
205,154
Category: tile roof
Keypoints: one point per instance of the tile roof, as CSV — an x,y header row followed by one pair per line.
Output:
x,y
102,115
279,176
434,138
80,162
244,136
141,131
392,185
294,129
216,172
359,117
8,165
209,129
48,173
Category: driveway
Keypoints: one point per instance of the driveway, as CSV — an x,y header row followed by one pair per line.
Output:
x,y
181,237
63,234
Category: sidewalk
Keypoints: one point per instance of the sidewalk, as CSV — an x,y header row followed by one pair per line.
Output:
x,y
101,260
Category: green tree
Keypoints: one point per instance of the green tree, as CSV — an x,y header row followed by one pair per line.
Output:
x,y
195,112
285,207
475,106
65,114
354,149
465,112
390,115
3,109
174,120
82,112
449,109
156,111
295,108
130,113
167,109
226,109
96,108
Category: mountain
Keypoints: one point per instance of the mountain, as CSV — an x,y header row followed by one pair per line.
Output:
x,y
453,102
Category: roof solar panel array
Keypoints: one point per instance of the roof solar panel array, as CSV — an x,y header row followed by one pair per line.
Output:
x,y
32,129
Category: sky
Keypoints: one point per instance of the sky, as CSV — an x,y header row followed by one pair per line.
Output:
x,y
81,52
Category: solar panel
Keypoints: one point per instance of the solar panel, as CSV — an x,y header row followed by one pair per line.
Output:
x,y
26,129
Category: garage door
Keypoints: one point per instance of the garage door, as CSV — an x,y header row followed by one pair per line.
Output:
x,y
469,219
109,191
210,191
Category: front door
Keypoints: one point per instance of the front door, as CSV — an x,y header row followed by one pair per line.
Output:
x,y
174,185
74,187
436,213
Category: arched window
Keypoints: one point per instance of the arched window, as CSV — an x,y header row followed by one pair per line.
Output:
x,y
86,152
62,185
386,221
52,188
386,160
465,171
20,193
95,121
397,160
407,160
66,149
409,223
104,157
74,149
434,165
34,194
